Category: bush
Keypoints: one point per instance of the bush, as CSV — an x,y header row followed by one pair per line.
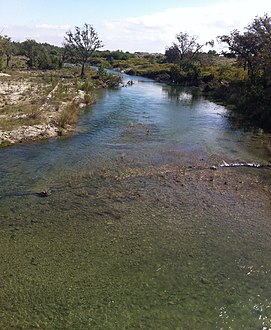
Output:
x,y
131,72
68,117
89,99
86,86
163,77
113,80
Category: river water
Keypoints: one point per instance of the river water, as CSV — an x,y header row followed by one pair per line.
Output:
x,y
124,225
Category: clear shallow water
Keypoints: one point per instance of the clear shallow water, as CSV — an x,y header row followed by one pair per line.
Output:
x,y
129,237
175,119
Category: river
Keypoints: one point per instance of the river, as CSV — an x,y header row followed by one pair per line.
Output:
x,y
130,223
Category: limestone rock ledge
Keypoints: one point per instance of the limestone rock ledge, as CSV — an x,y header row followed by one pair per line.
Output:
x,y
27,133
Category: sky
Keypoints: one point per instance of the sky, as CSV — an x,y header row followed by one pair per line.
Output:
x,y
140,25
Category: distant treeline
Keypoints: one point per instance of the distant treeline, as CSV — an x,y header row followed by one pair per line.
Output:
x,y
45,56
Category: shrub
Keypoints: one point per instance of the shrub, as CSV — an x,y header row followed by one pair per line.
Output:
x,y
86,86
89,99
69,116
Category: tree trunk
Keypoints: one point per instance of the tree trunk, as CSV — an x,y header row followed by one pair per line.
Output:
x,y
8,59
82,70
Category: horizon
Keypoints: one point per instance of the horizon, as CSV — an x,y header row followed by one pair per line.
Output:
x,y
153,25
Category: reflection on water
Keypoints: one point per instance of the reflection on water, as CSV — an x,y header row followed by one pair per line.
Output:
x,y
124,225
181,95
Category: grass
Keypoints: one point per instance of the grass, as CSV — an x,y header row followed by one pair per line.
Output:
x,y
89,98
17,116
30,97
68,116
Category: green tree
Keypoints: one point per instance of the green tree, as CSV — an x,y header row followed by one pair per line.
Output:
x,y
5,49
41,56
251,47
81,44
44,60
185,54
185,49
252,50
172,55
30,49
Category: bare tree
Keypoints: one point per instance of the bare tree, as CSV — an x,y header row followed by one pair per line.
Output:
x,y
80,44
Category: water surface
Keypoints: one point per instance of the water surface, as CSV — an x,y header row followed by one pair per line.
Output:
x,y
135,230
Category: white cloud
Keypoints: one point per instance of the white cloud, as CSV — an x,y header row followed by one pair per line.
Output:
x,y
53,27
155,32
53,34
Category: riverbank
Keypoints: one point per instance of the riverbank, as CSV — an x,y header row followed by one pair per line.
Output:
x,y
37,104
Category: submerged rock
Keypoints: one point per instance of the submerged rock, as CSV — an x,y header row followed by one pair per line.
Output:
x,y
213,167
44,193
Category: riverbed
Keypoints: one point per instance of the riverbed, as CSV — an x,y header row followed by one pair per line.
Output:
x,y
131,223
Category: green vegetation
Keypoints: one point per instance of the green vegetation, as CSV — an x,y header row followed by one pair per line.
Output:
x,y
37,104
252,52
41,95
5,50
240,76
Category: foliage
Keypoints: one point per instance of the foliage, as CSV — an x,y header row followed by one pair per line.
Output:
x,y
113,55
107,79
30,49
41,56
185,74
68,117
81,44
250,46
5,50
185,49
86,86
186,56
54,54
89,99
253,52
242,76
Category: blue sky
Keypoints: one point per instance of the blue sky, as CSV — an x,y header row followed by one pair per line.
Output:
x,y
141,25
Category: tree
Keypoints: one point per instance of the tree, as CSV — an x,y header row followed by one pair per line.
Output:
x,y
40,56
185,55
252,50
172,55
185,49
5,48
30,49
251,47
81,44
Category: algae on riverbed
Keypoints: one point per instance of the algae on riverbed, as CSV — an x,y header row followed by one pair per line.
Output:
x,y
151,249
